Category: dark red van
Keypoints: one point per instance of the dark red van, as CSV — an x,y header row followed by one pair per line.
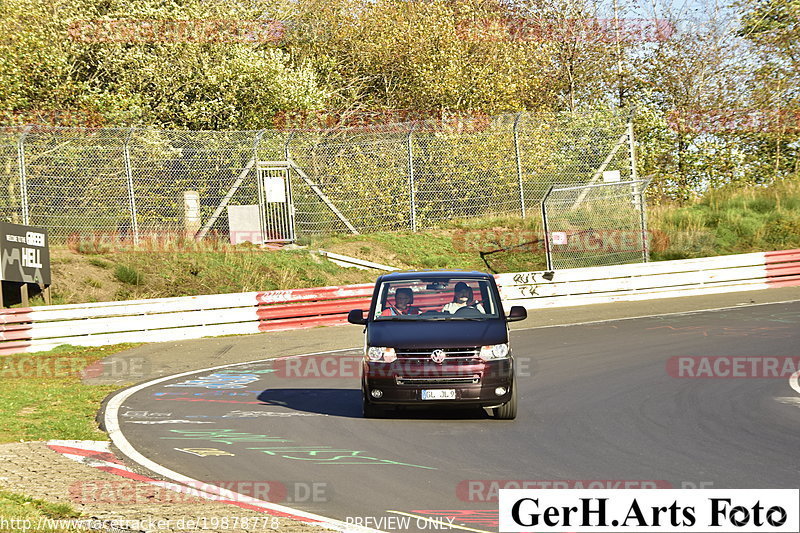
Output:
x,y
439,339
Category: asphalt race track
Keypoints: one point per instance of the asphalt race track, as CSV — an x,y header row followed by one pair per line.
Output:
x,y
601,401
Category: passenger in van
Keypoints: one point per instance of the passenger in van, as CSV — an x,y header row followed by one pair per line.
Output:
x,y
403,298
462,297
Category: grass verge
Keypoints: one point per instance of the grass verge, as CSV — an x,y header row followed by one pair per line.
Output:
x,y
730,221
22,513
43,398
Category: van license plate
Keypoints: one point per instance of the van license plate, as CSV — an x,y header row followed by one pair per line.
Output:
x,y
438,394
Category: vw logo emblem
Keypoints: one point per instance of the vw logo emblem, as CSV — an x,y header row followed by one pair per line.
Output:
x,y
438,356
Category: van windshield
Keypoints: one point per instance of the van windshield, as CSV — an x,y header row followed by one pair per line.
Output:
x,y
436,299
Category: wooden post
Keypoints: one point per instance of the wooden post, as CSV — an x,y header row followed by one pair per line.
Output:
x,y
23,291
46,293
191,213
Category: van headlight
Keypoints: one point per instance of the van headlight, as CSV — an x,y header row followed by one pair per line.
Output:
x,y
378,354
495,351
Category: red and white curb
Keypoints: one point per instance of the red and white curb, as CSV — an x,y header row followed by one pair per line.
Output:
x,y
98,454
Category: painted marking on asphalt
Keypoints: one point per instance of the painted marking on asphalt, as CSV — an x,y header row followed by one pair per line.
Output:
x,y
205,452
213,401
340,457
225,436
257,414
168,422
788,400
794,381
145,414
111,418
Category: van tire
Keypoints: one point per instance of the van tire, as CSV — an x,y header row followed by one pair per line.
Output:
x,y
508,411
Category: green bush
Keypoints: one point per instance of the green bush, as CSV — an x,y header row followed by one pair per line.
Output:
x,y
128,275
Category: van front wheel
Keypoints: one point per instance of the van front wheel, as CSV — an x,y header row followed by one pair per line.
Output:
x,y
508,411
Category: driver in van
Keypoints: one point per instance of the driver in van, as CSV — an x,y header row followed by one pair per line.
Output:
x,y
462,297
403,298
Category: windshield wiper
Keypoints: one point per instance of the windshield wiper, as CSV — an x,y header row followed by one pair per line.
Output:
x,y
453,318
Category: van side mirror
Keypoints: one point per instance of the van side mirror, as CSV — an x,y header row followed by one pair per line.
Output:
x,y
356,316
517,313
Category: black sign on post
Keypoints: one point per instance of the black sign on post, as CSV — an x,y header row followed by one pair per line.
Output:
x,y
24,259
24,254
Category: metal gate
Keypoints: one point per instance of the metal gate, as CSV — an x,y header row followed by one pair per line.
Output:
x,y
276,211
595,225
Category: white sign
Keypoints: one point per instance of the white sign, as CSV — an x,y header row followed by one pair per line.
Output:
x,y
274,189
611,176
649,510
559,237
244,224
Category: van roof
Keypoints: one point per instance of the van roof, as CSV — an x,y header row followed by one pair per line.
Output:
x,y
433,274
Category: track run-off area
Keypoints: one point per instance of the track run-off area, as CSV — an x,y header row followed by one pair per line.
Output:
x,y
705,399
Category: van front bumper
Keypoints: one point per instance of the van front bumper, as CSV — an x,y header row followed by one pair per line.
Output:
x,y
473,385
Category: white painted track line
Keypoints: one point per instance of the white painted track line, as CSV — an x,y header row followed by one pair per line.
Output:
x,y
794,381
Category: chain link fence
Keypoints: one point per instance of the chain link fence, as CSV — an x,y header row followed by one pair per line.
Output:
x,y
595,225
133,182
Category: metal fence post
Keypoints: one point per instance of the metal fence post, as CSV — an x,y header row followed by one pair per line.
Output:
x,y
23,176
262,201
411,185
545,228
632,148
288,157
286,153
519,165
131,193
643,222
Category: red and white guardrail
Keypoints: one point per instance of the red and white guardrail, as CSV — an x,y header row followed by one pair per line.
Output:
x,y
644,281
33,329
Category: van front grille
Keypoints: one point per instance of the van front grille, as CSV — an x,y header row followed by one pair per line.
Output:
x,y
452,355
438,380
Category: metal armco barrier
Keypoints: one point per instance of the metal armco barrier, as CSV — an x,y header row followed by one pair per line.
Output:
x,y
644,281
33,329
